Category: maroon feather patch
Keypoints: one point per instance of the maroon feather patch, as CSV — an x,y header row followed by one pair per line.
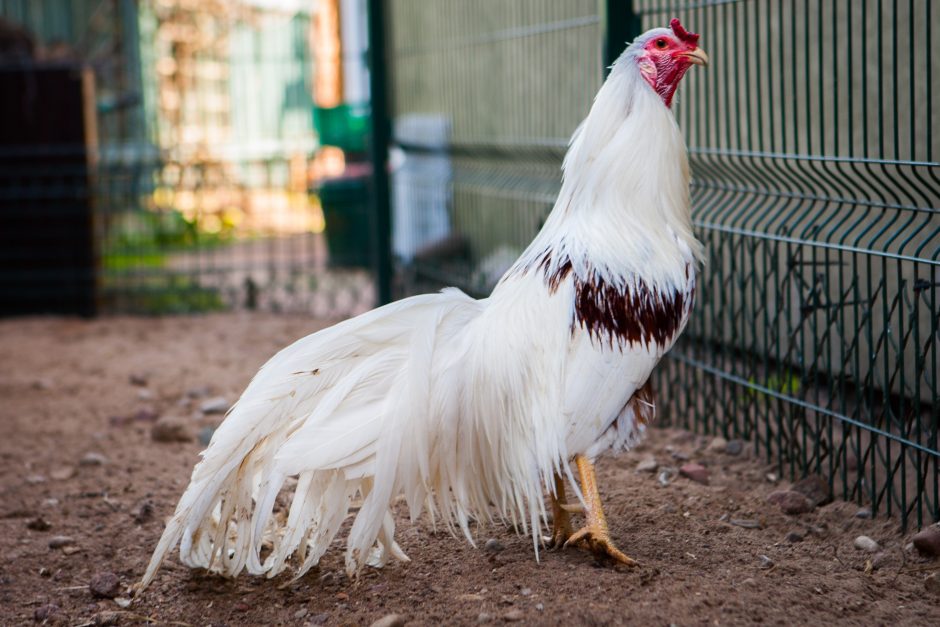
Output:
x,y
617,313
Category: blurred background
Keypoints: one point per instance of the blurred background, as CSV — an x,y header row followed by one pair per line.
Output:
x,y
324,156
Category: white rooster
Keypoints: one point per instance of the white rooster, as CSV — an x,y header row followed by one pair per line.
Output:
x,y
474,409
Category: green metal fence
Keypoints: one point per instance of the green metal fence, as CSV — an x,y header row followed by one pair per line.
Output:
x,y
816,184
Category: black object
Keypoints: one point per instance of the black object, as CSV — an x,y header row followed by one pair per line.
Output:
x,y
47,139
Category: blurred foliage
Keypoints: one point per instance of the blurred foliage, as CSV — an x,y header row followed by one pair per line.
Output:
x,y
166,295
143,239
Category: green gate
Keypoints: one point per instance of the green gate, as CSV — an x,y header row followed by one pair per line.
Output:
x,y
816,185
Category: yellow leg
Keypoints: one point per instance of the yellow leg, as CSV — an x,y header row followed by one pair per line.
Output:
x,y
561,516
595,532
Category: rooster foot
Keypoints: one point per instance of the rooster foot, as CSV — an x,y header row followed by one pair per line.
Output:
x,y
595,532
600,544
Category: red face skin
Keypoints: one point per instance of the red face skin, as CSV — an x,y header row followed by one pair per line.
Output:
x,y
665,60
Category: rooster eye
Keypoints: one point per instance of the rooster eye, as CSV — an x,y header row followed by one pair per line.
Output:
x,y
661,43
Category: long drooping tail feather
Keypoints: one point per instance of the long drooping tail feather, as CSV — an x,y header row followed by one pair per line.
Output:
x,y
406,399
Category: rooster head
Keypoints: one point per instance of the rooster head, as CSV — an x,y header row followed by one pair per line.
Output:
x,y
664,55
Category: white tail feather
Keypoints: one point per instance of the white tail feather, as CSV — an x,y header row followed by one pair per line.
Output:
x,y
377,406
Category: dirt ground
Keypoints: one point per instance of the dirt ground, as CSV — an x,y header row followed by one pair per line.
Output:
x,y
77,404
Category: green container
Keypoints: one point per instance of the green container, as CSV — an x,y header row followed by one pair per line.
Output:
x,y
345,126
345,203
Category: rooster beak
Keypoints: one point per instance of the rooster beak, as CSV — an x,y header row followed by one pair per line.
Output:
x,y
696,56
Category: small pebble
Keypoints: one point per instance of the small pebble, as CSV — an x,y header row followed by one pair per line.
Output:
x,y
241,606
390,620
932,584
695,472
794,537
143,513
750,581
205,435
71,550
483,617
45,612
679,456
815,488
539,607
647,465
39,524
526,592
666,475
63,473
342,596
493,545
200,391
57,542
105,585
864,543
138,378
790,502
927,541
35,479
863,513
146,414
881,559
216,405
107,618
766,562
472,598
170,429
301,613
771,477
43,384
122,602
513,616
718,445
735,447
93,459
144,394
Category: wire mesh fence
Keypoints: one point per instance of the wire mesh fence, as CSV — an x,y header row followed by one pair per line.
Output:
x,y
816,189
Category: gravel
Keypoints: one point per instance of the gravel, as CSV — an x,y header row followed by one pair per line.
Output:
x,y
169,429
648,465
927,541
93,459
58,542
790,502
390,620
695,472
105,585
215,405
493,545
864,543
815,488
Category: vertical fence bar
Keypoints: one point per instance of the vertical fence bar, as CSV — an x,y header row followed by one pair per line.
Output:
x,y
621,26
379,136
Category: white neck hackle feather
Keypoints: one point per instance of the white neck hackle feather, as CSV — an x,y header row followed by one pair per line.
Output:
x,y
449,401
624,201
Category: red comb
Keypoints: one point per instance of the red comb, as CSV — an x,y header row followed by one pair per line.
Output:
x,y
682,33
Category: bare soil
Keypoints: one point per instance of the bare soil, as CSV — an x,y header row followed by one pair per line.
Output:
x,y
69,388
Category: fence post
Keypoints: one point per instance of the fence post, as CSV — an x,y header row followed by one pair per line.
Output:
x,y
378,152
621,26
